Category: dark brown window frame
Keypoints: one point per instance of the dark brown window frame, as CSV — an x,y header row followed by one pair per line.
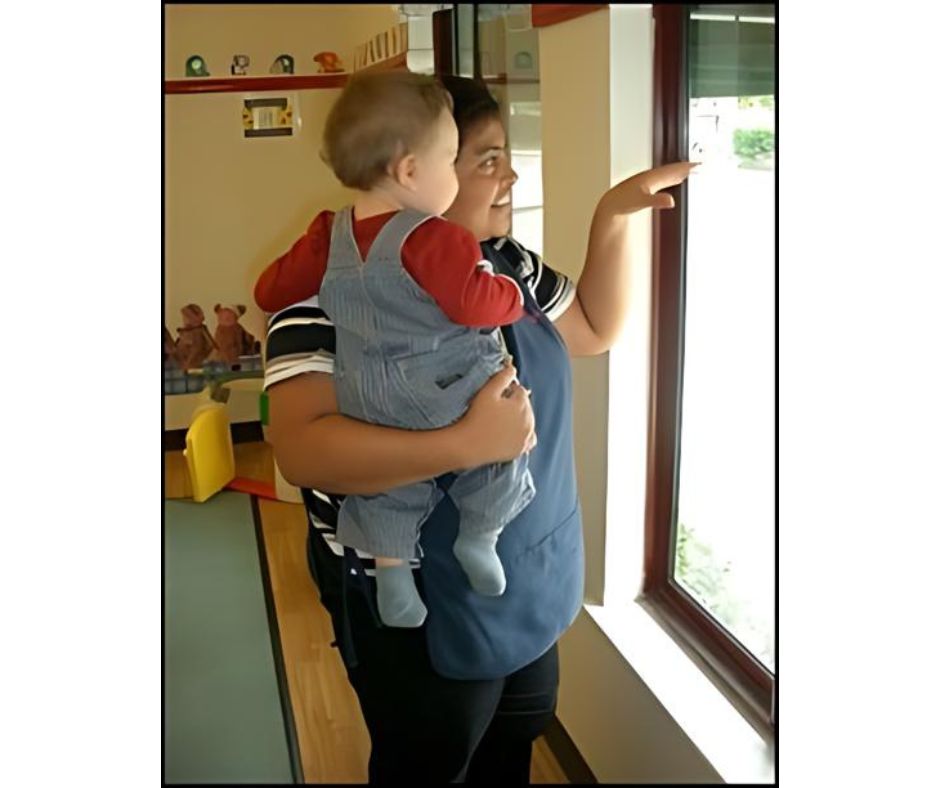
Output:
x,y
738,674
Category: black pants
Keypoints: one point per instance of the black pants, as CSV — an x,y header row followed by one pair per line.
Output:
x,y
424,727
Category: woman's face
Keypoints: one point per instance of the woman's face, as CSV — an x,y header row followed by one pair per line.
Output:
x,y
484,203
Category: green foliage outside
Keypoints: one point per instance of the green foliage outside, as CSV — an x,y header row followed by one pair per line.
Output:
x,y
706,577
703,574
749,102
753,143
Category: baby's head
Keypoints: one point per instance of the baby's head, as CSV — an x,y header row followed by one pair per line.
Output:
x,y
394,131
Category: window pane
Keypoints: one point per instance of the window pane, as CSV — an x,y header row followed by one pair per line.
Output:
x,y
725,530
465,34
509,62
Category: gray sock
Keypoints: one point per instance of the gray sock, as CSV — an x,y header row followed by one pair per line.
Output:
x,y
399,603
477,555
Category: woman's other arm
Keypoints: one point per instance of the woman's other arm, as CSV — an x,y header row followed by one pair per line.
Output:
x,y
593,322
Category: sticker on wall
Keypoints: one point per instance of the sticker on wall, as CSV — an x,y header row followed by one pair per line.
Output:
x,y
283,64
329,63
196,67
270,116
240,65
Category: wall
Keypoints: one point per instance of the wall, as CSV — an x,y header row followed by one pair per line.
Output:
x,y
263,31
621,729
233,204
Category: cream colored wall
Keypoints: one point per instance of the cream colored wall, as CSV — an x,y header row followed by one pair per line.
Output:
x,y
233,204
596,78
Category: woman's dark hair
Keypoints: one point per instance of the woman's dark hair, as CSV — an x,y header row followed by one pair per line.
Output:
x,y
473,103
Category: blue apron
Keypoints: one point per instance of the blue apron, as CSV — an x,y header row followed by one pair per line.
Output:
x,y
475,637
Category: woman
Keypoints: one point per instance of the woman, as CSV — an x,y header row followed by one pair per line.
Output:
x,y
463,697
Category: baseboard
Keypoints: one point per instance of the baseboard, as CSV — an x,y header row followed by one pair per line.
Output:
x,y
242,432
290,728
566,753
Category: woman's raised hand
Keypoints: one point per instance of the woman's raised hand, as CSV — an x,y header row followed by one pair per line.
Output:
x,y
499,424
643,190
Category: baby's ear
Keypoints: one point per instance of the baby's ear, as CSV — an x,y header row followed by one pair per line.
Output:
x,y
402,170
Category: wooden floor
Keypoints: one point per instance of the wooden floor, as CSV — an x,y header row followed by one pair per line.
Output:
x,y
333,740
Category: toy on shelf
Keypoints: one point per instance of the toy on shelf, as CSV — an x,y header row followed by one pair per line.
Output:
x,y
231,339
170,356
283,64
194,344
240,64
196,67
329,63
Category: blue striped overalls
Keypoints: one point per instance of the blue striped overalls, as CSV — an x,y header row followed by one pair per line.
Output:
x,y
401,362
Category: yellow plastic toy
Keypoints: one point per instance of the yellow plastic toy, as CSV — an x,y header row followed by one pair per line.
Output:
x,y
209,453
210,456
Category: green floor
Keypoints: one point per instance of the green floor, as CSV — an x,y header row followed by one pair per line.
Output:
x,y
223,716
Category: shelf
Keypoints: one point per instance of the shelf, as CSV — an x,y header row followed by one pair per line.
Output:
x,y
274,82
253,84
503,79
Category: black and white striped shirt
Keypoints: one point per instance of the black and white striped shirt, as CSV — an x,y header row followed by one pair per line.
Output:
x,y
302,339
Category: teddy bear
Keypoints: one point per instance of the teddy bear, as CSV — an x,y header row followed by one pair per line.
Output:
x,y
170,355
195,343
231,339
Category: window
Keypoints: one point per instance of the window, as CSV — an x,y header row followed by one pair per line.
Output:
x,y
497,44
710,530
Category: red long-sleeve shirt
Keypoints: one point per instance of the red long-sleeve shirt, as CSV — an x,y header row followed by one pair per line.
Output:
x,y
442,257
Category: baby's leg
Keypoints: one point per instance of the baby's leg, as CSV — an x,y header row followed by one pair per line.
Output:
x,y
399,602
476,553
488,498
388,525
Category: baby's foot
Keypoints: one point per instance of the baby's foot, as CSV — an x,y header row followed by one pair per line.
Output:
x,y
477,555
399,602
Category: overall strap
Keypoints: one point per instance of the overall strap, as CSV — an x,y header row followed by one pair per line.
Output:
x,y
386,248
343,250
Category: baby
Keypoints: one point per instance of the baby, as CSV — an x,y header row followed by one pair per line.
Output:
x,y
416,312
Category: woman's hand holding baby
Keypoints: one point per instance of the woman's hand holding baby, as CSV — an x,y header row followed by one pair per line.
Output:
x,y
499,424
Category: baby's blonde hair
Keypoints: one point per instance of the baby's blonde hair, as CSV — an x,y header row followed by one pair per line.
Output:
x,y
378,118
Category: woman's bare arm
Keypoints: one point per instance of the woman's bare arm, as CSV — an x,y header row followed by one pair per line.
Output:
x,y
315,446
593,322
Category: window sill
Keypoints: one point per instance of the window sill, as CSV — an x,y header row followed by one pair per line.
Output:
x,y
735,750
